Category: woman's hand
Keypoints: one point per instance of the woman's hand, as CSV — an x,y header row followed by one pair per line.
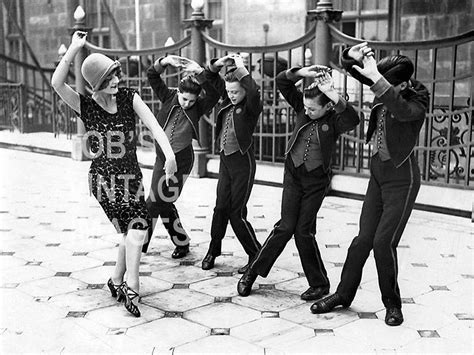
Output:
x,y
78,39
170,168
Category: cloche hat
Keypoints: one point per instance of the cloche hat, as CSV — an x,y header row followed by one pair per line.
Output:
x,y
96,67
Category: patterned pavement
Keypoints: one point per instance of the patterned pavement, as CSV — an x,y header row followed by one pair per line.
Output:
x,y
57,250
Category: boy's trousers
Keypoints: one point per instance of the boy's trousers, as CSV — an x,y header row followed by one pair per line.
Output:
x,y
303,194
236,177
389,200
162,197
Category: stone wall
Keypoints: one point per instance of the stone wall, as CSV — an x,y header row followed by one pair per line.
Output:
x,y
427,19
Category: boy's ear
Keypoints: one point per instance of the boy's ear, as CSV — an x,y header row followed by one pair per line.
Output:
x,y
329,105
403,85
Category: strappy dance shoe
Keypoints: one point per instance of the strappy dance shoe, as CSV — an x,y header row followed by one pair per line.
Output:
x,y
128,295
114,290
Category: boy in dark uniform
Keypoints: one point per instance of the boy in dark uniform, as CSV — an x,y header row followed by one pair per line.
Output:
x,y
396,118
322,116
179,116
236,120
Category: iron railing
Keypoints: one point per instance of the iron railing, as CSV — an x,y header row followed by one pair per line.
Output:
x,y
445,149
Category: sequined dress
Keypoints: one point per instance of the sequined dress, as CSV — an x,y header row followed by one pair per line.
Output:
x,y
115,178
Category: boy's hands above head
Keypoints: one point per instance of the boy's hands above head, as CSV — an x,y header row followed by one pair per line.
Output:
x,y
313,71
359,51
238,61
189,66
324,82
369,70
224,61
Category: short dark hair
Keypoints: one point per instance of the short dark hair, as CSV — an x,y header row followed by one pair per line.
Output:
x,y
189,84
231,77
313,92
396,68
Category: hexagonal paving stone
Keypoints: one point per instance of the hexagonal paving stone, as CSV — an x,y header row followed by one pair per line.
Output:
x,y
272,332
377,334
302,315
157,262
9,261
219,344
166,333
21,312
118,317
445,301
436,346
269,300
87,245
106,254
222,315
177,300
227,263
71,263
83,300
183,275
222,286
367,301
44,254
277,275
150,285
96,275
24,273
420,317
295,286
51,286
323,344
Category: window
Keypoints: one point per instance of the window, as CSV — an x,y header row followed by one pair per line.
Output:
x,y
365,19
98,19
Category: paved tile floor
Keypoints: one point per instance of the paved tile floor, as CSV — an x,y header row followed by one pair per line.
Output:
x,y
57,250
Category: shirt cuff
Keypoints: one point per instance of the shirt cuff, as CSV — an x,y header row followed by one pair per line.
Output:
x,y
290,74
214,68
341,105
158,67
240,73
380,87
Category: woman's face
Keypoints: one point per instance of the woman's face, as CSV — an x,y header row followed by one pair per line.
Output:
x,y
111,81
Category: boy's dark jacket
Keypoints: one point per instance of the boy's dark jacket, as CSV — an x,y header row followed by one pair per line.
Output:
x,y
169,97
405,116
341,119
246,112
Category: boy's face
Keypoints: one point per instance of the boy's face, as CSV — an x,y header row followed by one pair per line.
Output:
x,y
400,87
235,91
186,99
313,109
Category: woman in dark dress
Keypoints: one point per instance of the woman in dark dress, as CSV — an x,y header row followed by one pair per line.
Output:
x,y
115,178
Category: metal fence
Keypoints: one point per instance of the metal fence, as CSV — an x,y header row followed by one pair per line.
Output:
x,y
445,149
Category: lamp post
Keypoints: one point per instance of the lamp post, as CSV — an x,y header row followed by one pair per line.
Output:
x,y
324,14
199,23
79,146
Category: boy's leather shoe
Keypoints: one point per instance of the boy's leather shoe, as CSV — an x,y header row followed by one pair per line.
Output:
x,y
208,262
243,269
180,251
327,304
245,283
314,293
394,316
